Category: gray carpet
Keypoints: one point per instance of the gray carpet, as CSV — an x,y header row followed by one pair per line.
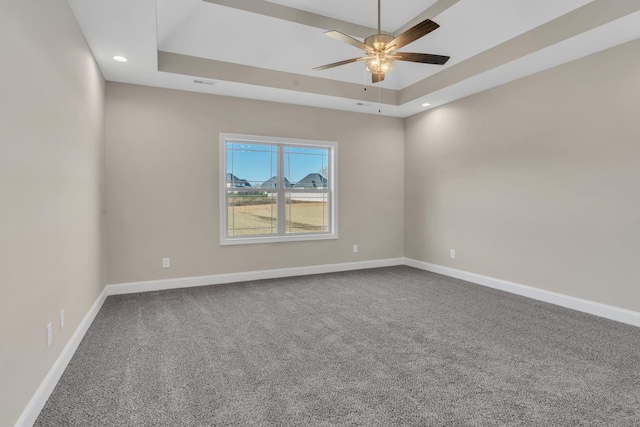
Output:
x,y
383,347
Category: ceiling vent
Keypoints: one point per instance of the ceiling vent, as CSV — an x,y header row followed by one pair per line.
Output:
x,y
204,82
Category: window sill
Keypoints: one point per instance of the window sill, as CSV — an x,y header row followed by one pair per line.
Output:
x,y
275,239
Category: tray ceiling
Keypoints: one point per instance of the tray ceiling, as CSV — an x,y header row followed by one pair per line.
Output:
x,y
266,49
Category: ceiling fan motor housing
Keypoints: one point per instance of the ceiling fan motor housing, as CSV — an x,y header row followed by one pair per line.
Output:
x,y
378,41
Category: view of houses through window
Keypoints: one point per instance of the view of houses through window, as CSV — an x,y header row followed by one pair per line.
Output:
x,y
277,189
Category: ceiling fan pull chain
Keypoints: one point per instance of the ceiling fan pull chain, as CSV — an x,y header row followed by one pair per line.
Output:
x,y
364,81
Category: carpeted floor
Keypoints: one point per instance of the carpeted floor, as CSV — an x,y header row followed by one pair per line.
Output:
x,y
383,347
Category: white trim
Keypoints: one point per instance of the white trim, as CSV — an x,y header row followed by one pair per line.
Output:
x,y
216,279
579,304
37,402
301,237
222,179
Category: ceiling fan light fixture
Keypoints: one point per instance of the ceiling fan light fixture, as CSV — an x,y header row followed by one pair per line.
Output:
x,y
377,65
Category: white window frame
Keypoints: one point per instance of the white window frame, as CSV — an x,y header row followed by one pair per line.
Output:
x,y
281,189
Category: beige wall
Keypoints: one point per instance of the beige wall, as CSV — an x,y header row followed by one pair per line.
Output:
x,y
536,182
162,183
51,179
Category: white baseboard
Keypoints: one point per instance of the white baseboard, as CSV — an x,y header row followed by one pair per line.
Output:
x,y
37,402
216,279
579,304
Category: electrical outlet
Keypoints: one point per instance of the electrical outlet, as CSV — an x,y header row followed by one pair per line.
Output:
x,y
355,249
452,253
166,262
61,319
49,334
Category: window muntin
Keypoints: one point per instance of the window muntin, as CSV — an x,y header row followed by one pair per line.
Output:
x,y
277,189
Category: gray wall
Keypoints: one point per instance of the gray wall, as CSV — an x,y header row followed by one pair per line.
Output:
x,y
162,183
536,182
51,190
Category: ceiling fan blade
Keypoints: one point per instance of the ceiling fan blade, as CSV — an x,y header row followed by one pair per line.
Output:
x,y
337,64
349,40
424,58
414,33
375,78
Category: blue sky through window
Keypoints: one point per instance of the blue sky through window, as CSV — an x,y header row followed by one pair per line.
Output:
x,y
257,163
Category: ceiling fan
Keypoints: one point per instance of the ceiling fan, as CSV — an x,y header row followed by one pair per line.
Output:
x,y
381,49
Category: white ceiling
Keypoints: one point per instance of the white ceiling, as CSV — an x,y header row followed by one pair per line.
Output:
x,y
490,43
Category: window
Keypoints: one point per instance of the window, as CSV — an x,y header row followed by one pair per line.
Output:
x,y
276,189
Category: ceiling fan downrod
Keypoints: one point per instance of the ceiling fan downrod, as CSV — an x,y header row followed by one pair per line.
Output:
x,y
379,31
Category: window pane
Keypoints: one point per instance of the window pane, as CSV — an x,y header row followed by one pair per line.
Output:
x,y
306,167
307,212
251,165
252,213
